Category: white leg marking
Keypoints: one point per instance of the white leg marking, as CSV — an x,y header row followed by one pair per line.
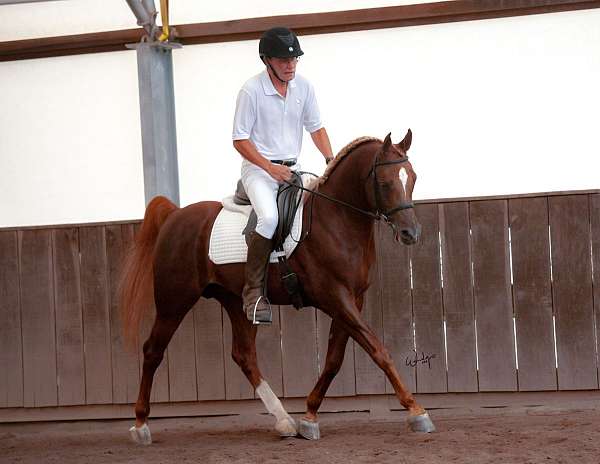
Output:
x,y
141,435
285,425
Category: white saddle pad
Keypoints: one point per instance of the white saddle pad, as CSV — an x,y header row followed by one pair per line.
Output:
x,y
228,245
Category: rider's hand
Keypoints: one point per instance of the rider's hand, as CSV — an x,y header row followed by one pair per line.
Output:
x,y
280,172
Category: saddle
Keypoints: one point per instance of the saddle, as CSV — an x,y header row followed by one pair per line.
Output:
x,y
287,205
288,201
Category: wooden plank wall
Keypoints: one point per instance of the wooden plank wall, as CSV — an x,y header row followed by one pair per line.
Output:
x,y
492,294
477,305
572,292
532,293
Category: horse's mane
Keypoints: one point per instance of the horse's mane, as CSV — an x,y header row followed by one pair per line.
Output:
x,y
338,158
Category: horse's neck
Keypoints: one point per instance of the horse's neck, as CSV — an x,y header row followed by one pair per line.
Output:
x,y
348,180
348,184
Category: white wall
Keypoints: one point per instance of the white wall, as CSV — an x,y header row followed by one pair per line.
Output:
x,y
70,143
496,106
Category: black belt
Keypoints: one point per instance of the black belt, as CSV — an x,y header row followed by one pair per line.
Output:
x,y
288,162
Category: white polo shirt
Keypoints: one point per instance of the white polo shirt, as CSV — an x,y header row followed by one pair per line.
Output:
x,y
274,123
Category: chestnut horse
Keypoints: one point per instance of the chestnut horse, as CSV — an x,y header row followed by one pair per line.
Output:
x,y
368,180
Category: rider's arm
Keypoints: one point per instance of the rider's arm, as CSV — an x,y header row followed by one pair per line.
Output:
x,y
321,141
247,149
313,124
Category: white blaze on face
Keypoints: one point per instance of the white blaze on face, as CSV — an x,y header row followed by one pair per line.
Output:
x,y
403,177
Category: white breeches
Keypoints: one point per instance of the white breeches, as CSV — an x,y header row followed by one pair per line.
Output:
x,y
261,189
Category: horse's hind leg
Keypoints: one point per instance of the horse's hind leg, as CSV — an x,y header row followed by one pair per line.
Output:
x,y
243,352
336,348
154,350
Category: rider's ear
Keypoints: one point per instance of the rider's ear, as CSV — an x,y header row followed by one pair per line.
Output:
x,y
405,144
387,142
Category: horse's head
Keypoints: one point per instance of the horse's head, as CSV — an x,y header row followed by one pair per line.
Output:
x,y
391,187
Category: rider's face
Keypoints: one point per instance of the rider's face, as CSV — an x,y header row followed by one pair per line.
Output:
x,y
284,67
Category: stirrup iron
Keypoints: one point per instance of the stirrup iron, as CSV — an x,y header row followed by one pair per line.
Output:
x,y
264,320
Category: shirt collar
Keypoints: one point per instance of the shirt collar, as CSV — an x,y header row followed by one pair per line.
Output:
x,y
268,86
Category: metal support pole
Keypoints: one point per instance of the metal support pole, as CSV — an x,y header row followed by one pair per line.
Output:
x,y
157,110
143,17
149,6
157,107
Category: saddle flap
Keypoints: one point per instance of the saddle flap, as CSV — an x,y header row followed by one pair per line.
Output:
x,y
288,200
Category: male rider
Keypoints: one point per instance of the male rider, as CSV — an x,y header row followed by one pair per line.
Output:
x,y
272,108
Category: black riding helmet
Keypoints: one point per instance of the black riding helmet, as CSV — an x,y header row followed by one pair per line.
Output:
x,y
279,42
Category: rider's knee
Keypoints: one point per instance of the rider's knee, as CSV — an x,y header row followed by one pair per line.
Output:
x,y
267,224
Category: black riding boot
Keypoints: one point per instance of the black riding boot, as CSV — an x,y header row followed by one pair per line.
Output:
x,y
256,305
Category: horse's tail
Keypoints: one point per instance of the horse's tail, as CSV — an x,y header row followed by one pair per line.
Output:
x,y
136,289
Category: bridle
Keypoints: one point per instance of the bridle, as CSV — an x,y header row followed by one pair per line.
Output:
x,y
382,214
379,214
385,215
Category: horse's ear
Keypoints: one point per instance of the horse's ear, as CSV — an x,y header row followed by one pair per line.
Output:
x,y
405,144
387,142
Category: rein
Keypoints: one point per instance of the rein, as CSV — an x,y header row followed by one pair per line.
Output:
x,y
334,200
378,215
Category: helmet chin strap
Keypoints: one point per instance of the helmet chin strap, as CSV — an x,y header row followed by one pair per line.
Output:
x,y
274,72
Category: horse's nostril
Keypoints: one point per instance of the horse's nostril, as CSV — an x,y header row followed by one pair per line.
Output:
x,y
407,233
408,236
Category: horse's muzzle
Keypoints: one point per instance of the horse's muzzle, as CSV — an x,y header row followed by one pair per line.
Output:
x,y
409,235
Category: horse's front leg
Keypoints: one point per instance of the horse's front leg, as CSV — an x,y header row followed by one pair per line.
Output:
x,y
336,348
349,317
243,352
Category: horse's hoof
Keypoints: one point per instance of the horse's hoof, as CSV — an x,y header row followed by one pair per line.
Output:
x,y
421,423
286,427
309,430
140,435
